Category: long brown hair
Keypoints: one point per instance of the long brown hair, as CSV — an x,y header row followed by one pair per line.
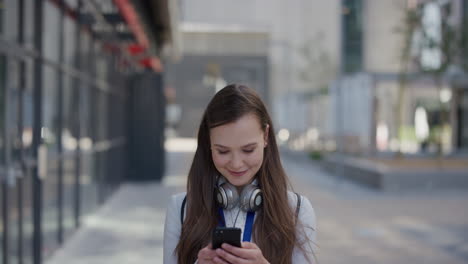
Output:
x,y
274,227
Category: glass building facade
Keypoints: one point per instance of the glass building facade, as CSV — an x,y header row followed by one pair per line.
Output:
x,y
63,117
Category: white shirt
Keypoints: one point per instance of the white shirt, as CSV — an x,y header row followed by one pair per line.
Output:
x,y
306,228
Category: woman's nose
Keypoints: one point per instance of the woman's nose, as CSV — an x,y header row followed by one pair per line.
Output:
x,y
236,161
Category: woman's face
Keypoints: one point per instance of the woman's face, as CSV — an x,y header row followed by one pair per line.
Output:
x,y
237,149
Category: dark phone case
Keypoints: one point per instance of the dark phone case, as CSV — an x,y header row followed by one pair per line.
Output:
x,y
230,235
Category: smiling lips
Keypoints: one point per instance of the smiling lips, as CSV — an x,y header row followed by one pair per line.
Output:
x,y
237,173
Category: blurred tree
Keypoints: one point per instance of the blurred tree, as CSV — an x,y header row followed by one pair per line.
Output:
x,y
318,68
411,21
437,45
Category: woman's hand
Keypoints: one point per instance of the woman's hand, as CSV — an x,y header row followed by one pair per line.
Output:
x,y
248,253
206,255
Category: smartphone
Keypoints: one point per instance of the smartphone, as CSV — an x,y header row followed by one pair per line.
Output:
x,y
230,235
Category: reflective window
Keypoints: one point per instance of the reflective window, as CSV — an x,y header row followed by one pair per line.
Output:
x,y
352,35
70,122
2,116
464,121
465,35
50,120
88,108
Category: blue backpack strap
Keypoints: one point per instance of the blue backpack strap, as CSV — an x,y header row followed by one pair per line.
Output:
x,y
248,226
221,221
182,210
298,206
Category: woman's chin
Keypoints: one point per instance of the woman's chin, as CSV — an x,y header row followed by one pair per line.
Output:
x,y
239,181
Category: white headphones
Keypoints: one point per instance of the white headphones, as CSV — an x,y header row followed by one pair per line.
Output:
x,y
227,197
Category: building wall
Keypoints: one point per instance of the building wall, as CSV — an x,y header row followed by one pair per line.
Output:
x,y
195,85
224,43
383,39
351,113
291,27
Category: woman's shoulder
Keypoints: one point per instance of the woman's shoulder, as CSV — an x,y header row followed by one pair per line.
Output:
x,y
174,207
293,198
306,209
178,198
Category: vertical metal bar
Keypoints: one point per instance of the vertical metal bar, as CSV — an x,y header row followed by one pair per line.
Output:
x,y
20,157
60,126
338,92
109,123
3,175
77,88
5,219
37,138
8,183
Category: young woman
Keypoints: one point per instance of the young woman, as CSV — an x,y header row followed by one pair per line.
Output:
x,y
237,180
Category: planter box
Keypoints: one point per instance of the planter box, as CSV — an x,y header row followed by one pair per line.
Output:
x,y
388,178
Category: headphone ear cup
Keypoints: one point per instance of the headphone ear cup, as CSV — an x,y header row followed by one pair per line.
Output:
x,y
221,197
251,198
227,196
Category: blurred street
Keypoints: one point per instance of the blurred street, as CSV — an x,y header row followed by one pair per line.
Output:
x,y
355,224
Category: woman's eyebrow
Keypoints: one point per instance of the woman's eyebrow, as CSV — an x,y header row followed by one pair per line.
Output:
x,y
248,145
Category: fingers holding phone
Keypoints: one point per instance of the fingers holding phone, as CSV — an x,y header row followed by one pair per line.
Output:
x,y
220,235
206,255
248,253
228,248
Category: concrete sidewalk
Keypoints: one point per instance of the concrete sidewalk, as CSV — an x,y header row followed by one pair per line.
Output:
x,y
361,225
355,224
129,227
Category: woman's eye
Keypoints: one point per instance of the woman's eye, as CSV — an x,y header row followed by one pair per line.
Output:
x,y
223,152
248,150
